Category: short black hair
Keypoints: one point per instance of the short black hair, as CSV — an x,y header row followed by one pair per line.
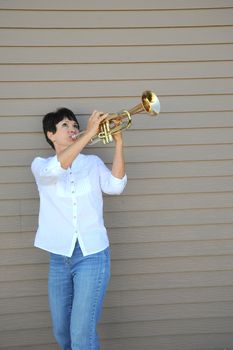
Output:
x,y
51,120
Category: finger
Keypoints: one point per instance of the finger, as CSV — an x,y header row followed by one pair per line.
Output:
x,y
103,116
94,114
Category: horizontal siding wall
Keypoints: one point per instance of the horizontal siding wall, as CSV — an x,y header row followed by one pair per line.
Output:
x,y
171,231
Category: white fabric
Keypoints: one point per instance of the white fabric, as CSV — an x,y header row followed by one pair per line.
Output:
x,y
71,204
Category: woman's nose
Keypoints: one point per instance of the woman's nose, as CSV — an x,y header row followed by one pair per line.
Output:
x,y
72,129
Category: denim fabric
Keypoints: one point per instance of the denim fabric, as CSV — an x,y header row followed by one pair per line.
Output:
x,y
77,286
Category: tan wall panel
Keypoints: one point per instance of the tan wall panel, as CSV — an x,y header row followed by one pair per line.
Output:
x,y
106,5
176,342
161,312
132,282
81,61
11,240
20,267
40,336
112,37
171,327
167,201
196,232
191,186
136,138
170,104
21,305
173,217
184,169
10,224
163,342
171,233
116,19
16,174
140,170
138,219
126,298
171,230
160,201
139,329
23,289
31,320
48,346
142,313
115,89
177,186
186,120
173,280
133,154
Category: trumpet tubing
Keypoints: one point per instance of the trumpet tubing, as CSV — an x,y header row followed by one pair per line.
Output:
x,y
116,122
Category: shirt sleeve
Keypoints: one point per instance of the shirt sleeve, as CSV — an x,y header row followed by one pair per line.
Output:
x,y
109,183
46,171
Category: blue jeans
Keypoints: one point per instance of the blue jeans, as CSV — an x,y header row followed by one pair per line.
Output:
x,y
77,286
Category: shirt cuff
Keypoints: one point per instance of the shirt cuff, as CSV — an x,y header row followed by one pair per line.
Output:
x,y
117,181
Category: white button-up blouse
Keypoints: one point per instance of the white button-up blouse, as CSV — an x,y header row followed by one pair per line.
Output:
x,y
71,204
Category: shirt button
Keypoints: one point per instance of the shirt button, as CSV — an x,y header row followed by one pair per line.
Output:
x,y
73,191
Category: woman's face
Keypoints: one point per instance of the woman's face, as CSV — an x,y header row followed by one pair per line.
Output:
x,y
64,135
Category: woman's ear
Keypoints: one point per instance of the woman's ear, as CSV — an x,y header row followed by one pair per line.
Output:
x,y
51,136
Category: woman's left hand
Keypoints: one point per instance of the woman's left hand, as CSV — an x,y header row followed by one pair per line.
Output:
x,y
117,137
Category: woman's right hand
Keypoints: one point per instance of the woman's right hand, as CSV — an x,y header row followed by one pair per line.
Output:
x,y
94,121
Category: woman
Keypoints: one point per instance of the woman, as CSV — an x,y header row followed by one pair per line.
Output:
x,y
71,226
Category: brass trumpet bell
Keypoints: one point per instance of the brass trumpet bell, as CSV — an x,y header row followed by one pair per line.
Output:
x,y
116,122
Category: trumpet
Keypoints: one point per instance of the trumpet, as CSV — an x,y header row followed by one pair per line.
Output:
x,y
116,122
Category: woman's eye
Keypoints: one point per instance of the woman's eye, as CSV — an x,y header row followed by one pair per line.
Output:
x,y
76,126
64,124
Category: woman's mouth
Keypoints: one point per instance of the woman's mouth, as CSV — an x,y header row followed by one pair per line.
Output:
x,y
73,136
